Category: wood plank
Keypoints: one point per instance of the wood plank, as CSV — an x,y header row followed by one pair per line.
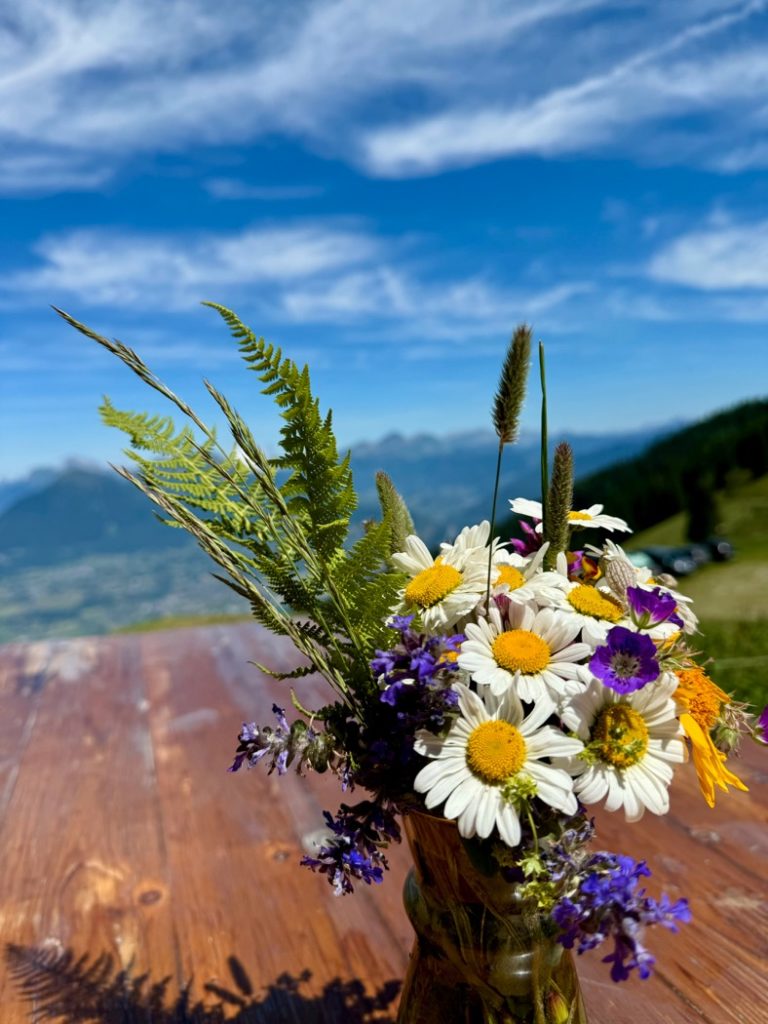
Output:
x,y
234,841
125,835
82,852
711,857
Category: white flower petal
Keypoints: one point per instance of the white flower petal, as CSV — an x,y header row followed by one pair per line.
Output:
x,y
508,825
486,813
466,792
526,507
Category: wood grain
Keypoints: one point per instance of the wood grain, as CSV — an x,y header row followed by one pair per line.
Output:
x,y
142,883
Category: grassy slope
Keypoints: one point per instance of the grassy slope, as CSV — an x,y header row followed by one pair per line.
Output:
x,y
180,622
731,598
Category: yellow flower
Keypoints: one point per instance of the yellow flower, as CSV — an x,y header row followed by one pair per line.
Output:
x,y
700,696
703,699
708,761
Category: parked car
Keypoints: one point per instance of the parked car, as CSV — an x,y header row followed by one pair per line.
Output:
x,y
678,561
644,561
700,553
720,548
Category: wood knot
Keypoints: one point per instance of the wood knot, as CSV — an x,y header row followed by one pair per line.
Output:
x,y
150,896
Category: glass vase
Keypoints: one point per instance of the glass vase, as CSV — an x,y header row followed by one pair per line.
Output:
x,y
479,957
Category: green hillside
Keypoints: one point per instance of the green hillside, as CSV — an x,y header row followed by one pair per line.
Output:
x,y
731,598
671,475
735,590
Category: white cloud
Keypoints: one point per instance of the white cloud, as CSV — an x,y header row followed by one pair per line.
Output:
x,y
86,86
453,310
719,257
232,188
117,79
601,109
49,171
307,272
103,267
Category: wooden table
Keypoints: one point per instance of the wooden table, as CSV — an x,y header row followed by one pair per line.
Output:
x,y
142,883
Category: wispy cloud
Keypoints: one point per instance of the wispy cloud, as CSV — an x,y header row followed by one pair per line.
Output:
x,y
49,170
233,188
85,87
600,110
107,267
334,272
721,256
449,310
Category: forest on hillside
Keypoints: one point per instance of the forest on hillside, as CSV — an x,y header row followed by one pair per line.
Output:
x,y
682,471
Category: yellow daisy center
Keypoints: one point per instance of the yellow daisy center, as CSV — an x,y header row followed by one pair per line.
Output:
x,y
619,735
590,601
519,650
433,584
513,578
495,751
700,696
574,517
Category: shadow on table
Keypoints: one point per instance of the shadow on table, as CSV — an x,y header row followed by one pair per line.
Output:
x,y
62,987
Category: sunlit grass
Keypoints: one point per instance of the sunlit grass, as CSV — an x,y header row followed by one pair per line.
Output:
x,y
181,622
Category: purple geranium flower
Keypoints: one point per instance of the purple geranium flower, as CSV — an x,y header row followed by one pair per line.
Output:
x,y
627,662
649,608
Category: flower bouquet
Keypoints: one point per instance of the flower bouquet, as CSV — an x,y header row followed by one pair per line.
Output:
x,y
489,694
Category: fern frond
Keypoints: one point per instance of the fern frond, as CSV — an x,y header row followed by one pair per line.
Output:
x,y
274,527
395,512
297,673
319,486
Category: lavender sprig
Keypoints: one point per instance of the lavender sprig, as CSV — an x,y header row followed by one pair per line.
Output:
x,y
354,850
297,744
606,904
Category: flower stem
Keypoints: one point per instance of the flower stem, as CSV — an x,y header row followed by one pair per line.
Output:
x,y
532,823
544,441
493,524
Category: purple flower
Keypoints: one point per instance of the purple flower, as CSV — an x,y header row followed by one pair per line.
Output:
x,y
401,623
762,726
649,608
627,662
416,661
353,851
297,743
279,714
607,904
532,540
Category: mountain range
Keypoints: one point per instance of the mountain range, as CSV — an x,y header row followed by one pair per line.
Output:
x,y
82,551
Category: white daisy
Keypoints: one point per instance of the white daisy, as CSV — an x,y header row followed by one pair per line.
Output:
x,y
491,761
631,742
592,516
444,589
530,652
594,611
471,537
523,579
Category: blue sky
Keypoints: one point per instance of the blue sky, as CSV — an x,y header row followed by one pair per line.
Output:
x,y
385,190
